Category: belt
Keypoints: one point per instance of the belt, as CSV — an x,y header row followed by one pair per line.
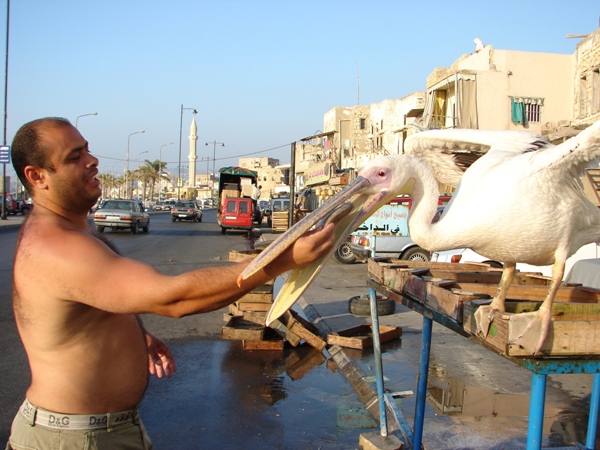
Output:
x,y
49,419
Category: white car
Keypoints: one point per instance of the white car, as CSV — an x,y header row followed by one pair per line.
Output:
x,y
467,255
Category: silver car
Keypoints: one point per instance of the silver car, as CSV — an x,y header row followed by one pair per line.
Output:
x,y
122,214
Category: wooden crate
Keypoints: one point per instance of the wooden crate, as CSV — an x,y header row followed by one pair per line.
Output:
x,y
377,266
279,220
270,341
239,329
444,287
573,330
338,181
361,337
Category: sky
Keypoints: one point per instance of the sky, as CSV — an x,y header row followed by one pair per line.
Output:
x,y
261,74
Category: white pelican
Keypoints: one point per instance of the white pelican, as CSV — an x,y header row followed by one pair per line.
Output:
x,y
519,202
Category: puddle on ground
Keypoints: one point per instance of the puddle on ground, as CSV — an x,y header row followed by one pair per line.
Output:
x,y
461,400
225,397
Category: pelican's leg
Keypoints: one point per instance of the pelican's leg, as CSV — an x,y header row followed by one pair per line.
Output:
x,y
537,329
484,315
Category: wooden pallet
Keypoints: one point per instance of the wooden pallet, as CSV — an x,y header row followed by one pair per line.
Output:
x,y
279,220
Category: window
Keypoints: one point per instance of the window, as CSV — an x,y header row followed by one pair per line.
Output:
x,y
532,112
582,96
363,124
244,208
596,90
526,110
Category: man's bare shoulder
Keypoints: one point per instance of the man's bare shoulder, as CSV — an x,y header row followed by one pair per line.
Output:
x,y
57,238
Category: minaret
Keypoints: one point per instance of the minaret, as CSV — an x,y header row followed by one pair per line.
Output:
x,y
192,156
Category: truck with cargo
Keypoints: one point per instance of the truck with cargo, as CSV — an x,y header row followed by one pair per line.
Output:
x,y
235,183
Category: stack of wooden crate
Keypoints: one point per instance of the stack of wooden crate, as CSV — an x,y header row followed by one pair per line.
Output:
x,y
245,320
279,220
456,291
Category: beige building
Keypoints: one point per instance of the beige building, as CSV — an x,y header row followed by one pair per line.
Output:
x,y
270,175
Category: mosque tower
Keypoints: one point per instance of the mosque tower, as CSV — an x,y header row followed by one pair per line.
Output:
x,y
192,156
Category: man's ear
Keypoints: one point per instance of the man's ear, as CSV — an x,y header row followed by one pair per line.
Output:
x,y
36,176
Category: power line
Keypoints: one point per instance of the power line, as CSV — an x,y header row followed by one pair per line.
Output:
x,y
217,159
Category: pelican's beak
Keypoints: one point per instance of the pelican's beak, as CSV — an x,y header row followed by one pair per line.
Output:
x,y
349,208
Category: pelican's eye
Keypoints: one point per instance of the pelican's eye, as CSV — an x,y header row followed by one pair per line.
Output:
x,y
381,173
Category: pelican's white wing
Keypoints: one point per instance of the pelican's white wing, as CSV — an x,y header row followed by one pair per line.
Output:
x,y
449,153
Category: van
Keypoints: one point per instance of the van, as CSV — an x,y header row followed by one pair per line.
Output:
x,y
237,214
385,234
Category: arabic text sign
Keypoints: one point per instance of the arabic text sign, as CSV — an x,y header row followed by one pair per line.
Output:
x,y
317,174
5,154
389,220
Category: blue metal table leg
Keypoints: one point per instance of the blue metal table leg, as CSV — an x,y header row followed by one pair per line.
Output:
x,y
378,363
422,382
536,411
590,442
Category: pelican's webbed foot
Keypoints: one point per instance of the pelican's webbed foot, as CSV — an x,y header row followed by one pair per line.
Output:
x,y
533,336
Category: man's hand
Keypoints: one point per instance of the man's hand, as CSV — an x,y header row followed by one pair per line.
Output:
x,y
160,359
307,249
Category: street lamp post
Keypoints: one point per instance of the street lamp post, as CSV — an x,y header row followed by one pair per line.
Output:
x,y
127,161
83,115
179,166
138,185
138,158
160,168
214,143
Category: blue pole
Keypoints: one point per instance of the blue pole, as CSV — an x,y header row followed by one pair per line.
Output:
x,y
593,419
378,363
536,411
422,382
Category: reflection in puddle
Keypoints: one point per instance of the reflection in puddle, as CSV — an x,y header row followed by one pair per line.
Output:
x,y
456,397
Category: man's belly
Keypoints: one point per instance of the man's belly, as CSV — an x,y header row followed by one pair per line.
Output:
x,y
98,372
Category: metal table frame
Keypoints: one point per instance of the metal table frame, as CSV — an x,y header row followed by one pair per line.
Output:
x,y
540,369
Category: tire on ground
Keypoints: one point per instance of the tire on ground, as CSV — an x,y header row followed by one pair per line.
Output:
x,y
361,306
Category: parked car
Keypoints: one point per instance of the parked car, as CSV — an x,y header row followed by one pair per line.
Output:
x,y
186,210
265,207
463,255
122,214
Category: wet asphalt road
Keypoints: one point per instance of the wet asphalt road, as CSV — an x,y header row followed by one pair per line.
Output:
x,y
221,396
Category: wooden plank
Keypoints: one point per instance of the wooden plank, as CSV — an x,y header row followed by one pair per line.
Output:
x,y
572,331
303,328
252,306
264,296
285,333
573,294
270,342
361,337
239,329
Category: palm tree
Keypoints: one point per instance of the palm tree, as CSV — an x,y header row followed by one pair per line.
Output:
x,y
145,174
106,181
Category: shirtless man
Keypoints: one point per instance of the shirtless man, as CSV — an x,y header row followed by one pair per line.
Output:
x,y
75,302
